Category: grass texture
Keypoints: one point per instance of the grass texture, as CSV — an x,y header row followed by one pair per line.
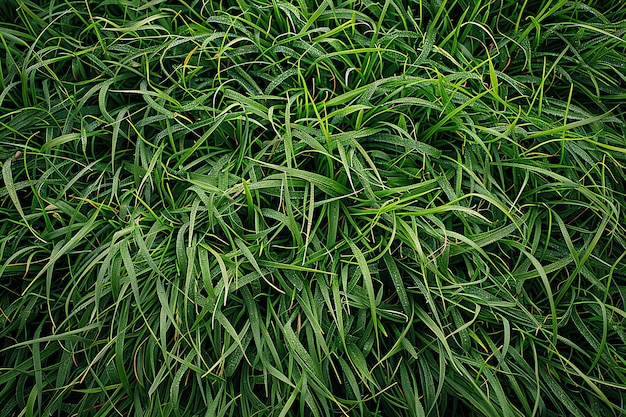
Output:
x,y
352,208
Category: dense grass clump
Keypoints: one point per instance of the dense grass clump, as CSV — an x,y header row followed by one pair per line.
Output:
x,y
269,208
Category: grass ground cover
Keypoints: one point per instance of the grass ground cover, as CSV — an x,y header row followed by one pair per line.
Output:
x,y
354,208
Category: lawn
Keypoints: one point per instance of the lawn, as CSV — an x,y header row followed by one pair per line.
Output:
x,y
312,208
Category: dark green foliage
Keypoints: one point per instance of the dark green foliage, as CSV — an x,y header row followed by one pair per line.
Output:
x,y
312,208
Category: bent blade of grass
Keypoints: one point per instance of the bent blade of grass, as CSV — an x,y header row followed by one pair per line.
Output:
x,y
70,335
398,283
326,184
548,289
7,176
369,286
568,126
440,336
65,248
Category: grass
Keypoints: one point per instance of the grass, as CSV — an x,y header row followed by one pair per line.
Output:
x,y
349,208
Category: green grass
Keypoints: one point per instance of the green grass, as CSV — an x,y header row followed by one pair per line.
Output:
x,y
351,208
